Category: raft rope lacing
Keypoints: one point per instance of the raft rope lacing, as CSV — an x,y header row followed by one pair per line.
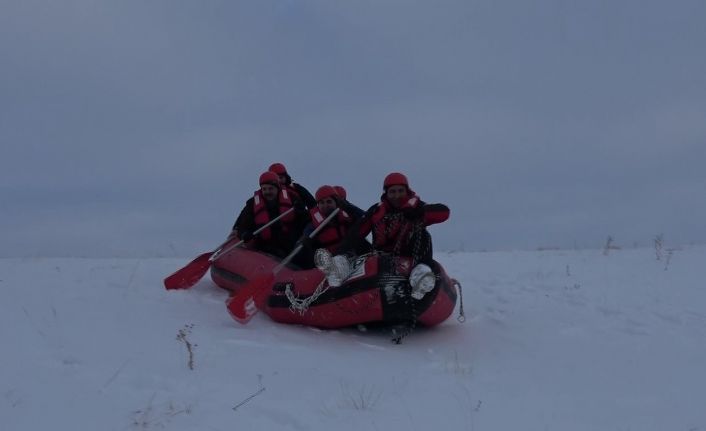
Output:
x,y
301,305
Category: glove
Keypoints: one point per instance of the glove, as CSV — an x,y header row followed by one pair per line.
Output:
x,y
413,213
246,235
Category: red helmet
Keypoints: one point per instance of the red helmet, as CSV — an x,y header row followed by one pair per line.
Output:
x,y
340,191
395,179
278,168
326,192
269,177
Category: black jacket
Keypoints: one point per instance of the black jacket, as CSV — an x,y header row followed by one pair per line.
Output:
x,y
282,240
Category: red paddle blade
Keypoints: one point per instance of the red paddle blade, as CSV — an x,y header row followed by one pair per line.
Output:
x,y
244,304
190,274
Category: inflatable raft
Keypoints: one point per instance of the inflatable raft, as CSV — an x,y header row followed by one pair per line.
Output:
x,y
376,291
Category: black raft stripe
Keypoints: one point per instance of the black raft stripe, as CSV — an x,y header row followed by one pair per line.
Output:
x,y
230,276
390,310
331,295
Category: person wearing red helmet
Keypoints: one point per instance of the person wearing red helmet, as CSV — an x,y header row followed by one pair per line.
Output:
x,y
330,237
294,188
398,225
327,200
399,210
268,202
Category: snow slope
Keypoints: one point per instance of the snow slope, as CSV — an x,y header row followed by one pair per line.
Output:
x,y
554,340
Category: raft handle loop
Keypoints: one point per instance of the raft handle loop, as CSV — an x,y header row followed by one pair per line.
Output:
x,y
461,315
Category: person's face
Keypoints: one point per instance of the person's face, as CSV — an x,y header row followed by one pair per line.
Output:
x,y
283,179
396,195
269,192
326,205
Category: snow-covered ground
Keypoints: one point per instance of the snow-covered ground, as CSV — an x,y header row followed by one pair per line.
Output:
x,y
554,340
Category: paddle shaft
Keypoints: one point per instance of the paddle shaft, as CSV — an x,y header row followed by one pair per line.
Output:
x,y
298,248
219,252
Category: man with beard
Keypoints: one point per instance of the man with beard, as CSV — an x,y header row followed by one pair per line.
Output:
x,y
268,202
398,224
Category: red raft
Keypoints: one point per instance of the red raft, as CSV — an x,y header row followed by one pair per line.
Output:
x,y
377,291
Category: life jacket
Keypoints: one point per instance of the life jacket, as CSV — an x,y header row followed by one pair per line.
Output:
x,y
262,216
331,234
293,193
388,223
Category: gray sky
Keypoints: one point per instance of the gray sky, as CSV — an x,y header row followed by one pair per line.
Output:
x,y
140,127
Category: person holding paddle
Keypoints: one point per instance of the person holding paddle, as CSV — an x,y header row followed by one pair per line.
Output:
x,y
272,211
268,202
331,236
327,200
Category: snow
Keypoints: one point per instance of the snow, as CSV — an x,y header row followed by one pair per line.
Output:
x,y
554,340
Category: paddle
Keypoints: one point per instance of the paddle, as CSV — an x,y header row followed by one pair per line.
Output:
x,y
246,302
189,275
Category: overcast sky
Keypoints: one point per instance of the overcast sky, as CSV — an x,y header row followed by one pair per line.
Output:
x,y
140,128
